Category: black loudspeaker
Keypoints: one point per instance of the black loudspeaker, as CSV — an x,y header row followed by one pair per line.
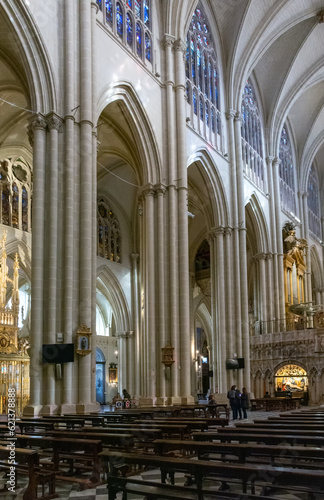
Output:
x,y
210,373
240,362
232,364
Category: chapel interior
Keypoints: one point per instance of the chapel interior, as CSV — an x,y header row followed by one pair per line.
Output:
x,y
161,199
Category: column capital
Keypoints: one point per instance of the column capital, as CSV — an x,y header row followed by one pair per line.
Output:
x,y
124,335
160,189
228,231
230,114
37,122
268,256
167,41
276,161
216,231
269,159
180,45
147,190
238,117
135,257
260,256
54,122
95,6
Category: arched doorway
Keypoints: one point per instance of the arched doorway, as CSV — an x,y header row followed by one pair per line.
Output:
x,y
100,376
291,378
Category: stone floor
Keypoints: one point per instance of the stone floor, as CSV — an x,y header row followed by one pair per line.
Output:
x,y
67,492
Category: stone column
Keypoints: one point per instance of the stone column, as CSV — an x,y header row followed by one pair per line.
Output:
x,y
213,361
68,200
149,291
280,269
230,301
172,389
54,126
237,334
308,274
221,316
161,239
245,346
274,296
136,325
183,267
85,402
263,306
37,136
269,292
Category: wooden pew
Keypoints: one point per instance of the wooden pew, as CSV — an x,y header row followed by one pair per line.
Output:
x,y
164,427
275,454
95,420
63,448
274,424
27,462
140,434
202,469
192,424
68,422
259,437
122,440
202,423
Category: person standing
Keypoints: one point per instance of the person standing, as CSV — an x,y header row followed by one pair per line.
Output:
x,y
239,404
245,401
234,400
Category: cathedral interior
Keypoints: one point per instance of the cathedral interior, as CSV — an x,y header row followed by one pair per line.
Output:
x,y
161,177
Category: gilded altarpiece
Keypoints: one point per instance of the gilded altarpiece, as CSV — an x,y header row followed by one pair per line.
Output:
x,y
14,360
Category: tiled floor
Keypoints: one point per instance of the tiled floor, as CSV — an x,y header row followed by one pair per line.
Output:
x,y
68,492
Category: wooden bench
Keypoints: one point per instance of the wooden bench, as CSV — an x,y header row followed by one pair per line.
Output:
x,y
299,456
166,429
121,439
193,423
140,434
95,420
75,450
274,424
259,437
27,462
204,469
69,423
151,490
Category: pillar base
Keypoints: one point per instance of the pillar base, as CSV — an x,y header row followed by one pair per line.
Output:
x,y
187,400
84,408
32,410
67,408
146,402
174,400
50,410
161,401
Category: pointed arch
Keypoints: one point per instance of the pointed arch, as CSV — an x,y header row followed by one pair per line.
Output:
x,y
148,159
258,219
215,204
316,267
110,287
36,60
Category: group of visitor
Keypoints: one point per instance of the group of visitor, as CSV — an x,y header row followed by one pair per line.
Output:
x,y
239,402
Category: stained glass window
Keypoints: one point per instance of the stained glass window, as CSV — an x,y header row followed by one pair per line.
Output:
x,y
109,14
129,29
147,46
287,173
5,204
138,7
313,201
108,233
119,20
138,39
146,13
251,134
134,16
15,206
100,4
24,209
202,74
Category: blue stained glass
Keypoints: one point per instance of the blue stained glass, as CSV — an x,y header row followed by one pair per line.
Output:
x,y
213,120
199,39
218,123
5,204
188,92
109,17
205,75
205,28
199,25
201,109
193,58
129,28
194,99
100,4
139,40
199,68
207,114
187,59
138,7
198,12
147,46
119,20
24,207
129,3
211,90
194,25
216,88
206,41
146,8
